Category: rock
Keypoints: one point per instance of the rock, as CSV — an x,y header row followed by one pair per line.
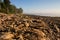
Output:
x,y
56,28
20,26
39,32
21,37
7,36
26,24
29,27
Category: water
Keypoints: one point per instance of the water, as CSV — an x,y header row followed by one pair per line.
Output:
x,y
45,14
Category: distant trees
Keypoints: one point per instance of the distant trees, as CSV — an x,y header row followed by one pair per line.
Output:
x,y
0,3
20,10
12,9
2,6
6,7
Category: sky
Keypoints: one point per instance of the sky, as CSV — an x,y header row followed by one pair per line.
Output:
x,y
43,7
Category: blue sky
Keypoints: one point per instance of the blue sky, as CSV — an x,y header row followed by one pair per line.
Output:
x,y
38,6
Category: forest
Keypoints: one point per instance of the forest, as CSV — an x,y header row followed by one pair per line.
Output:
x,y
7,7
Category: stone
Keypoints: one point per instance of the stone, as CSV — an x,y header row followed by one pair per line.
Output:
x,y
29,27
7,36
26,24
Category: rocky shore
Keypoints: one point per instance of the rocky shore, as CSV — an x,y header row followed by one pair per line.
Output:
x,y
29,27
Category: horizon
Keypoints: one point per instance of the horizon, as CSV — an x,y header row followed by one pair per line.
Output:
x,y
46,7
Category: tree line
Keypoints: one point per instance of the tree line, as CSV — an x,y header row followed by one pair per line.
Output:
x,y
7,7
